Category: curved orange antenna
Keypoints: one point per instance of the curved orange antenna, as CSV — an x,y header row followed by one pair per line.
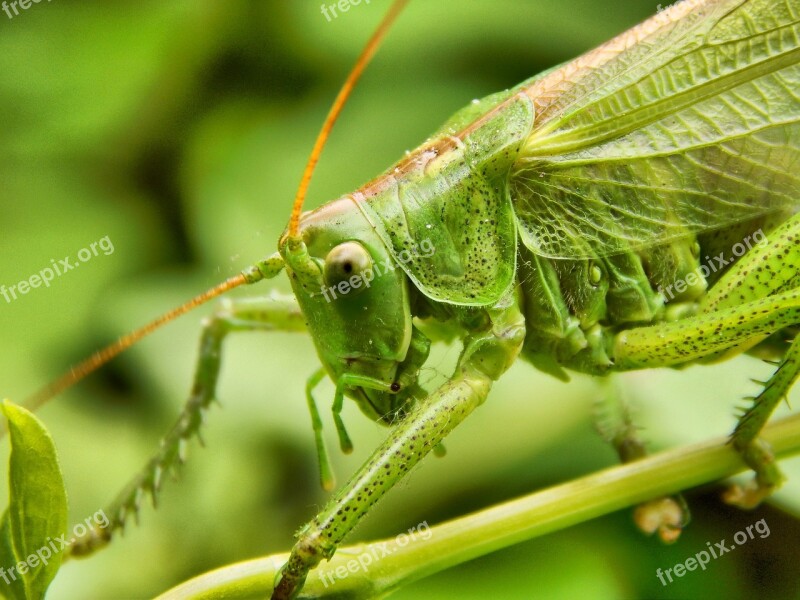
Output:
x,y
101,357
344,93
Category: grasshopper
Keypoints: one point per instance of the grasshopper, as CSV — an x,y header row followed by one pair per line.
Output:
x,y
542,250
583,220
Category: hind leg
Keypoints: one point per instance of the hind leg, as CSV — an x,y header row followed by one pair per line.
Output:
x,y
758,296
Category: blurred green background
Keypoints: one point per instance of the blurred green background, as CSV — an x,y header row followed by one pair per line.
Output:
x,y
179,129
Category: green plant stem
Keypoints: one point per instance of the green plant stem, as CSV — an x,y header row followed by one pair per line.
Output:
x,y
393,564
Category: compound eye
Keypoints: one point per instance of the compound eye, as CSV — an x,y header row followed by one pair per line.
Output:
x,y
346,261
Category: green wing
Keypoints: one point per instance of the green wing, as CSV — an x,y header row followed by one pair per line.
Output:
x,y
689,122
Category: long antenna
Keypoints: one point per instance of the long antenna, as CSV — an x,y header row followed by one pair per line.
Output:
x,y
363,60
101,357
263,270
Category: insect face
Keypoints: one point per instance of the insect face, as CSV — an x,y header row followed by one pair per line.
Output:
x,y
356,301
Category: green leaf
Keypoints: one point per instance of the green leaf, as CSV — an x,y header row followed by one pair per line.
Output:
x,y
10,587
37,513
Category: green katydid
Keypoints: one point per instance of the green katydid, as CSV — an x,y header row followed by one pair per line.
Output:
x,y
694,111
566,221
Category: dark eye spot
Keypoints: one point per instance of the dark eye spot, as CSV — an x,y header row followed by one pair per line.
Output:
x,y
345,261
395,387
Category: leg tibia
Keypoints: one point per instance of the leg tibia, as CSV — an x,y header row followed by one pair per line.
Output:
x,y
275,313
755,452
410,441
775,389
486,355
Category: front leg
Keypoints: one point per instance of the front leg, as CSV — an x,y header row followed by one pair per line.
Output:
x,y
274,313
487,355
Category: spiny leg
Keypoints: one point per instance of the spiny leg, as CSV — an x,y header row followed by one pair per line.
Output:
x,y
275,313
757,297
486,356
710,334
667,515
768,269
755,451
